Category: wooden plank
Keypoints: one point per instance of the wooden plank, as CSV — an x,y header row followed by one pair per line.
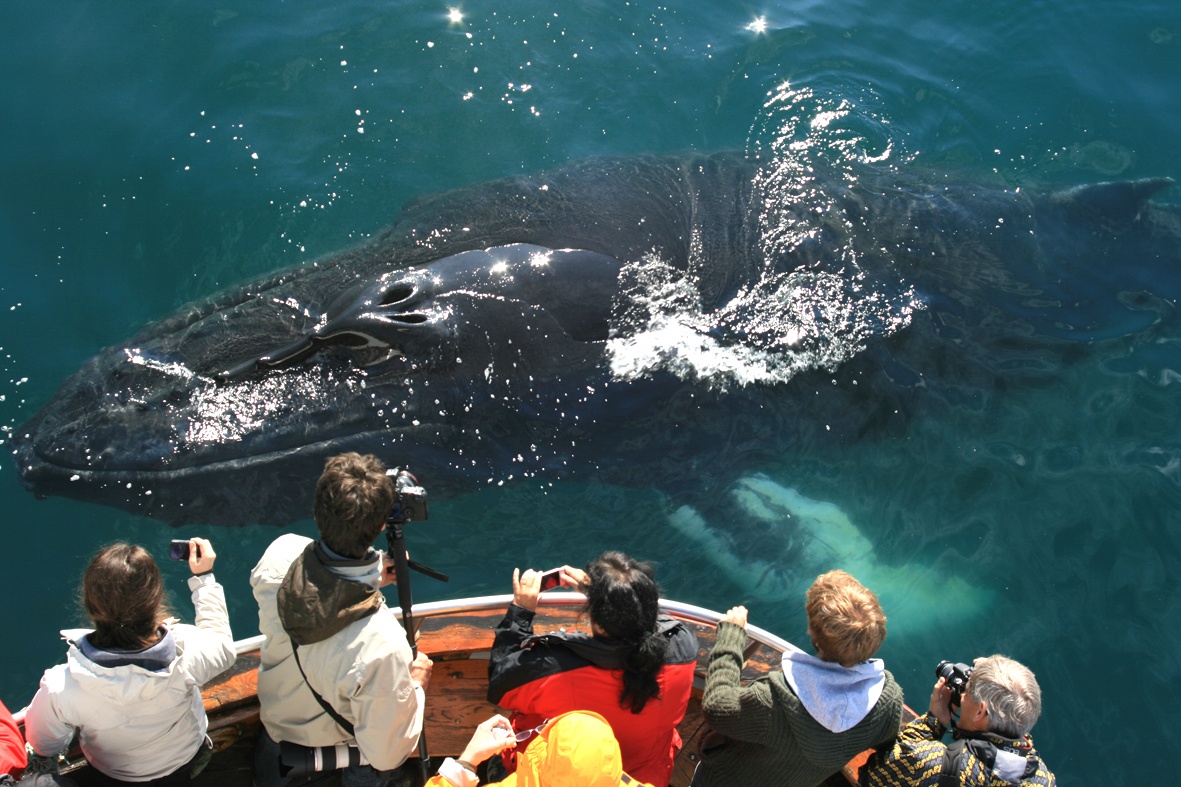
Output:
x,y
463,639
235,686
692,728
456,702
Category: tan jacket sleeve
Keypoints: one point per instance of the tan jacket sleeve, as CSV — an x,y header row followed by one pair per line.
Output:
x,y
209,644
387,704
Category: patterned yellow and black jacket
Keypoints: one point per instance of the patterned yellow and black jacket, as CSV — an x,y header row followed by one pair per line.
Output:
x,y
919,759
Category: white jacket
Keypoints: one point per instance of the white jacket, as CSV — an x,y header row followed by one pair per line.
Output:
x,y
363,672
134,724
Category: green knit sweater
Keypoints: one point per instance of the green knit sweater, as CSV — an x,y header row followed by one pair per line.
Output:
x,y
772,739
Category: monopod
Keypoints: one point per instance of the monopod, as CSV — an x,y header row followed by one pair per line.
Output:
x,y
409,504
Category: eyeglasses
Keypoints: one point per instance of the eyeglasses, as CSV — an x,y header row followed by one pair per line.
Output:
x,y
527,734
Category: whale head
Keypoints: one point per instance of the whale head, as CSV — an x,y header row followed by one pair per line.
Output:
x,y
240,398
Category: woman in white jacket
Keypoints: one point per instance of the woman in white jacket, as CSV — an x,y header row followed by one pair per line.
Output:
x,y
131,687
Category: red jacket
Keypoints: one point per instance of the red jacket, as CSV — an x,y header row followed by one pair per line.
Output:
x,y
542,677
12,745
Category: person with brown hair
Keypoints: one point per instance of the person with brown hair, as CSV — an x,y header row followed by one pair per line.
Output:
x,y
131,687
635,668
799,725
336,667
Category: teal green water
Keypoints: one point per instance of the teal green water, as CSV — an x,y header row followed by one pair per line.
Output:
x,y
153,152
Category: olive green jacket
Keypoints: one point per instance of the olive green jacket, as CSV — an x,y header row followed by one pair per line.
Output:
x,y
770,738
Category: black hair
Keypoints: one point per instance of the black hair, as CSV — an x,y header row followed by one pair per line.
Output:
x,y
622,599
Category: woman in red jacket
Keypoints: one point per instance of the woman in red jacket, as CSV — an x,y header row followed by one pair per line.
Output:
x,y
635,668
12,745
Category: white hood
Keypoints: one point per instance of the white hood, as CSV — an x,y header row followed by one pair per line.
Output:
x,y
837,697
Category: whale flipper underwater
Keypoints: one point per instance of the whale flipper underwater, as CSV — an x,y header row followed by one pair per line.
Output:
x,y
799,538
670,321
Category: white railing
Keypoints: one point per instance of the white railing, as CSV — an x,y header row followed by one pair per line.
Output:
x,y
678,609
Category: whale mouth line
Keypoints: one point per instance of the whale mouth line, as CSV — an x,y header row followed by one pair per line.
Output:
x,y
43,465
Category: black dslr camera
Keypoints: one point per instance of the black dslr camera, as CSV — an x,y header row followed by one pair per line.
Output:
x,y
955,677
409,498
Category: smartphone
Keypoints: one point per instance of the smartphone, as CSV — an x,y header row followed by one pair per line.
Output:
x,y
551,579
178,549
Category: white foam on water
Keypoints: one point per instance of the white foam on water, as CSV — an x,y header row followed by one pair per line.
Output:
x,y
783,324
672,344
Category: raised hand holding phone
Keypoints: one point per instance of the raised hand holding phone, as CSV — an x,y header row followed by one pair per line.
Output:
x,y
574,578
201,556
527,585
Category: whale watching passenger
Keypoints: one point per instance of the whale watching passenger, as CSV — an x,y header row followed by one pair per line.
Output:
x,y
575,749
999,701
800,724
635,668
336,667
12,746
131,686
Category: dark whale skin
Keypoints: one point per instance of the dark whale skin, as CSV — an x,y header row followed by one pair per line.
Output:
x,y
478,338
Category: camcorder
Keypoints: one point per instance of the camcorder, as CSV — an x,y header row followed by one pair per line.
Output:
x,y
955,677
409,498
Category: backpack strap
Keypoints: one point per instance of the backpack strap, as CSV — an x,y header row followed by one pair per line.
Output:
x,y
344,723
953,763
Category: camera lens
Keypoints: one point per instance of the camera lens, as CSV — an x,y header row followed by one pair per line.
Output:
x,y
955,677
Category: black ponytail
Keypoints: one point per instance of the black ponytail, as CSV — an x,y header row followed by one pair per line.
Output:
x,y
623,600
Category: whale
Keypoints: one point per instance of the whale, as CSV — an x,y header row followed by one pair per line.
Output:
x,y
667,321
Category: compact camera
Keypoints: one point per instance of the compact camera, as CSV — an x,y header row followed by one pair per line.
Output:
x,y
409,498
178,549
955,677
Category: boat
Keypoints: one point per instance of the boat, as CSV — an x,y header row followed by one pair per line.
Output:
x,y
458,635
